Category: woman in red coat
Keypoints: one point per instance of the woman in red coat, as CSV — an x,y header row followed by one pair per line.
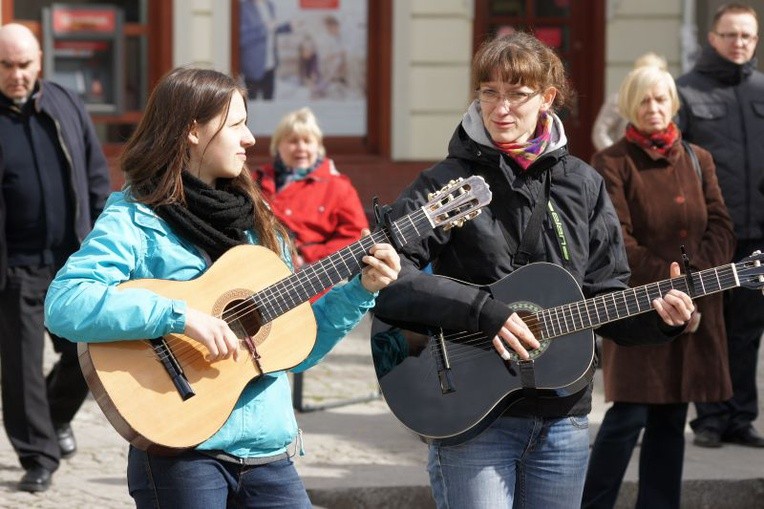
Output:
x,y
662,203
312,199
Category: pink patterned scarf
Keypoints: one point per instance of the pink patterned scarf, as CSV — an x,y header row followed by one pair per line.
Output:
x,y
524,153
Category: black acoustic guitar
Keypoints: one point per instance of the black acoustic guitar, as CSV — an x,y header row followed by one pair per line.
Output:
x,y
451,386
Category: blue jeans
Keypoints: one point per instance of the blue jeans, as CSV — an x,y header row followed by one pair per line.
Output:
x,y
517,462
192,480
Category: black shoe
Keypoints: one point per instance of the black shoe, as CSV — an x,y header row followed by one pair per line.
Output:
x,y
35,479
707,438
746,436
66,441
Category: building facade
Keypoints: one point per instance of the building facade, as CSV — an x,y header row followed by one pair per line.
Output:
x,y
412,82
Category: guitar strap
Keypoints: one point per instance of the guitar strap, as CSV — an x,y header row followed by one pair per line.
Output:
x,y
521,252
533,229
528,378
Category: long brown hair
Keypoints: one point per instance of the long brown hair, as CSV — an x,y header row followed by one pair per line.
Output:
x,y
157,153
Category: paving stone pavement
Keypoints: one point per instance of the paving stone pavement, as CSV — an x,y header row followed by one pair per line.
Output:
x,y
358,455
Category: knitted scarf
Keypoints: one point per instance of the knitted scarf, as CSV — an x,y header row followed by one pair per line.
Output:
x,y
660,141
213,219
524,153
286,175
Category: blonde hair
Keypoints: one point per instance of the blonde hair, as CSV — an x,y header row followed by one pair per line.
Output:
x,y
637,85
300,122
651,59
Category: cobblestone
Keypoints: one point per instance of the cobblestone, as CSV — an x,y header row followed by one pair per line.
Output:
x,y
357,455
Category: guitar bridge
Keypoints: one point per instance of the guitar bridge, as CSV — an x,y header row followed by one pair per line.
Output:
x,y
444,366
172,366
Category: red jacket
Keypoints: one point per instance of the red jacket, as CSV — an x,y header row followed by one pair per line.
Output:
x,y
322,210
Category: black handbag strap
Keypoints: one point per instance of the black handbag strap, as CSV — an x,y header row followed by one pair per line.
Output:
x,y
694,158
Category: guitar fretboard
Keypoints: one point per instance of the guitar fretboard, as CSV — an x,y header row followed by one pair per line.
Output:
x,y
275,300
591,313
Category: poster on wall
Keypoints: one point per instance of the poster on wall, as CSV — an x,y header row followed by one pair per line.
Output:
x,y
296,53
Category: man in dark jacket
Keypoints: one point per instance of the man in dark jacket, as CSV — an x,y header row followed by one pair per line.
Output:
x,y
55,181
723,111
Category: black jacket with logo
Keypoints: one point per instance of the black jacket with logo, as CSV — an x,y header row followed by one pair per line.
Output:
x,y
478,251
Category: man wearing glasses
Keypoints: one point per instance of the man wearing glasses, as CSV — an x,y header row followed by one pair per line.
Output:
x,y
723,111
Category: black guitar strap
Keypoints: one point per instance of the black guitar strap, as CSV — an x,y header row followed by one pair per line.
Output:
x,y
521,254
528,378
533,229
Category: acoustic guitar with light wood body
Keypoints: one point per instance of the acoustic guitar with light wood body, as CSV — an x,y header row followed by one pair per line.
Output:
x,y
163,395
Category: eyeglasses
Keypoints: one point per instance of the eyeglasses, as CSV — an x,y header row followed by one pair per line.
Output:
x,y
491,96
734,36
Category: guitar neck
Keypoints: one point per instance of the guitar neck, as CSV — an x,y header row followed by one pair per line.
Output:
x,y
606,308
282,296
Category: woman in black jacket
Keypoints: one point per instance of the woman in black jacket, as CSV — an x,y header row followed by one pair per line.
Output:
x,y
533,448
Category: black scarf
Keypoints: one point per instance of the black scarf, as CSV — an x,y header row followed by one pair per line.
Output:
x,y
213,219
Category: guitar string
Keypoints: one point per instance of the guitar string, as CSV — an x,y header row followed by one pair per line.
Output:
x,y
464,349
465,341
463,344
300,279
241,309
537,330
246,306
183,350
410,223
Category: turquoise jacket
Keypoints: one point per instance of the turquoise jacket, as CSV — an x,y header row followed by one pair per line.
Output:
x,y
129,241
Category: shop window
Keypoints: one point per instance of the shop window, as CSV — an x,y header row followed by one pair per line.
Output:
x,y
316,53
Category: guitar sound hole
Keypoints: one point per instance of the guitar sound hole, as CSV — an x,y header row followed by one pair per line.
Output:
x,y
526,310
243,318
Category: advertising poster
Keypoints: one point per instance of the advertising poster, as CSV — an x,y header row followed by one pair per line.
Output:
x,y
296,53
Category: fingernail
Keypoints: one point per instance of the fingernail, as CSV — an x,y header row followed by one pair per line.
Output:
x,y
505,355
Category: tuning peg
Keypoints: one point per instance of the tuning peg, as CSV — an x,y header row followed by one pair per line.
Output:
x,y
757,263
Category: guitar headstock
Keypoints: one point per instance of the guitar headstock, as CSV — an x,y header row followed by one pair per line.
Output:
x,y
750,271
457,202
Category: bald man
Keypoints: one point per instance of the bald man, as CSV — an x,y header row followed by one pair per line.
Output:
x,y
54,181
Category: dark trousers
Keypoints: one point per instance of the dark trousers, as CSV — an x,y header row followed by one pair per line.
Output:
x,y
660,460
744,320
265,86
32,403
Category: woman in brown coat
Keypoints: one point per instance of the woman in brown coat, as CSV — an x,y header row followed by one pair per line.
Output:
x,y
662,204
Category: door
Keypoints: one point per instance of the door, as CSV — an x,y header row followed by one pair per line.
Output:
x,y
576,30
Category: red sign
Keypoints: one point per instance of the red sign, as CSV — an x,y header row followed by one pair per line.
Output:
x,y
319,4
551,36
82,46
83,20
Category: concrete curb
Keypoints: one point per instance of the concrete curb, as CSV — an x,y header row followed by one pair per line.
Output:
x,y
696,494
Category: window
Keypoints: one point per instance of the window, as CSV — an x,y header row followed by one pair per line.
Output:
x,y
146,26
316,54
